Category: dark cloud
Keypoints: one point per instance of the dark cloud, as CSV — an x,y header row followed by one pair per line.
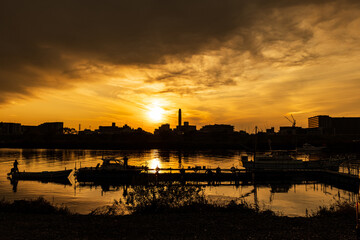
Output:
x,y
54,43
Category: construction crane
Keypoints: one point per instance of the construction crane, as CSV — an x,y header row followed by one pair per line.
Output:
x,y
293,121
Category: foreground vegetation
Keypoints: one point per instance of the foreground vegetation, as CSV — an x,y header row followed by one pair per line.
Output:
x,y
171,212
37,206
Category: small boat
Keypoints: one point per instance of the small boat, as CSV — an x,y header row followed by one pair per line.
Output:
x,y
45,175
281,160
310,148
110,168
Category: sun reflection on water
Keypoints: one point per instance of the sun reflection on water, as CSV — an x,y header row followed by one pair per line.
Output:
x,y
154,163
83,198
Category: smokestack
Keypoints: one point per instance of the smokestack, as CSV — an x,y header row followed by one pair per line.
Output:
x,y
179,117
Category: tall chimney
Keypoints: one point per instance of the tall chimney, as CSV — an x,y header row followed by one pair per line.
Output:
x,y
179,118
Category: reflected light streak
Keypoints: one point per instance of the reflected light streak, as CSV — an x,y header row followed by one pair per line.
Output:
x,y
154,163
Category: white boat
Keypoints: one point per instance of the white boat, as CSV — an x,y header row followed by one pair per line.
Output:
x,y
307,147
110,168
282,160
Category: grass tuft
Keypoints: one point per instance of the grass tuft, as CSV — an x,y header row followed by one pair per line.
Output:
x,y
37,206
341,209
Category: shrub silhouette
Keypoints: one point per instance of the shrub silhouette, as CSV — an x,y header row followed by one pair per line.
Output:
x,y
156,198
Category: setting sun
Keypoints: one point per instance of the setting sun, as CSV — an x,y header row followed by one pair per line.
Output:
x,y
155,113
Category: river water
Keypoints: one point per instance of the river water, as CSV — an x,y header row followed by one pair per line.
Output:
x,y
286,198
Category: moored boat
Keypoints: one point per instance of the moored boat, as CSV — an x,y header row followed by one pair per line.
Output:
x,y
110,168
44,175
283,161
308,148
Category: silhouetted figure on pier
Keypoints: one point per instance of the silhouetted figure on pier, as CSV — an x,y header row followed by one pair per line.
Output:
x,y
15,168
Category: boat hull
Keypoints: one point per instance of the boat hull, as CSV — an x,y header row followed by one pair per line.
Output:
x,y
45,175
93,174
291,165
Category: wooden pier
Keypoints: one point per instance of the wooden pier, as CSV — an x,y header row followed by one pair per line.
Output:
x,y
234,176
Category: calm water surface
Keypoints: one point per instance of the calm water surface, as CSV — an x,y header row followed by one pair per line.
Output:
x,y
289,199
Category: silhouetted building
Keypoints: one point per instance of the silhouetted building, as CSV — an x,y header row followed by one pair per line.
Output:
x,y
218,128
270,131
163,129
10,128
186,128
179,118
242,132
335,125
113,129
314,131
86,132
48,128
30,130
51,128
346,125
291,130
321,121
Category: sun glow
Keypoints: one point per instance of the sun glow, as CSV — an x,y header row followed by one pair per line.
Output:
x,y
154,163
156,113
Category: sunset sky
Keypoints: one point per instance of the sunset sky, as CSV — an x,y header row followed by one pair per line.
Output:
x,y
136,62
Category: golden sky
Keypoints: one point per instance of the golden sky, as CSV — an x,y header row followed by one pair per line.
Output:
x,y
137,62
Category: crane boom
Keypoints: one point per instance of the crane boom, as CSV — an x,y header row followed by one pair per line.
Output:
x,y
293,121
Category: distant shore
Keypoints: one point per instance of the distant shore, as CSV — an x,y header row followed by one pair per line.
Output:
x,y
264,142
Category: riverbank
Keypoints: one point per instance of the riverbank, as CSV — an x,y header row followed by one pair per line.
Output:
x,y
230,222
193,141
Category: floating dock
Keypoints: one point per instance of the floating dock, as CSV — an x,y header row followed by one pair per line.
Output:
x,y
232,176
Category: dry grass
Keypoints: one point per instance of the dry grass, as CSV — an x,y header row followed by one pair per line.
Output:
x,y
189,221
37,206
336,209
